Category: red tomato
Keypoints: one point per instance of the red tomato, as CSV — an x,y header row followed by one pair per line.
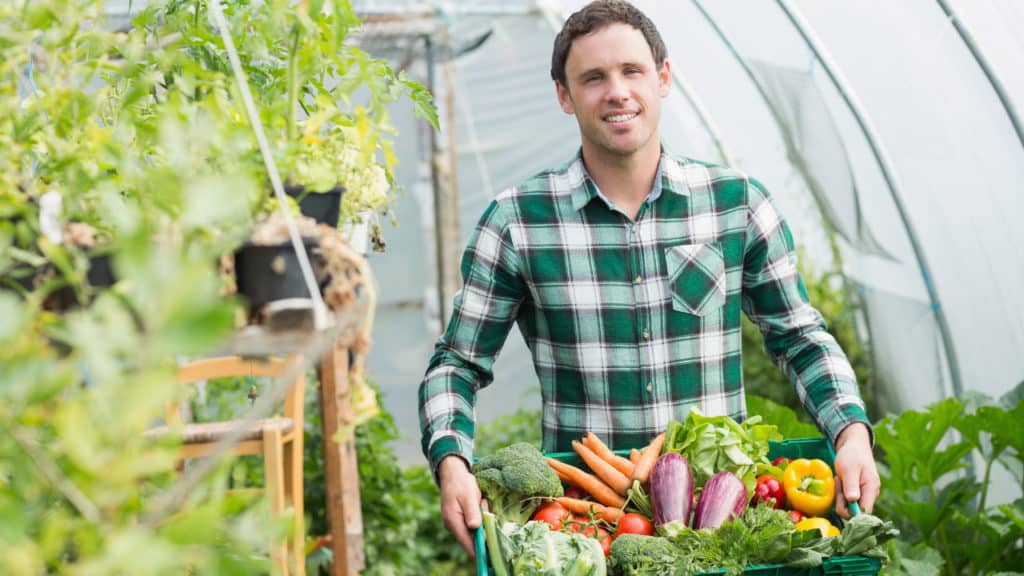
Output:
x,y
606,545
633,523
553,513
795,515
575,492
780,462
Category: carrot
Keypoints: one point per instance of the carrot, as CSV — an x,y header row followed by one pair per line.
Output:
x,y
588,482
601,449
602,469
634,456
648,457
584,507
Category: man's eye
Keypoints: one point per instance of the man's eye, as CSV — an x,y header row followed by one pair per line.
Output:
x,y
593,78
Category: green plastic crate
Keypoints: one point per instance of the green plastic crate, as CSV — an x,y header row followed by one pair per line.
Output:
x,y
792,449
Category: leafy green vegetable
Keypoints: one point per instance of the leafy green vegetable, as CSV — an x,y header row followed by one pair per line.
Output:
x,y
866,535
714,444
536,550
761,535
512,478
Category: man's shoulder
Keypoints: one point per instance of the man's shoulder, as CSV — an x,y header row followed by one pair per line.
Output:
x,y
697,173
706,183
550,182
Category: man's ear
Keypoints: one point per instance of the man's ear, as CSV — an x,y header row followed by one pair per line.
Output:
x,y
665,78
564,98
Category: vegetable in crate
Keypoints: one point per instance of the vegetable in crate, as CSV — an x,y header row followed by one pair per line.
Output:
x,y
822,525
714,444
809,485
769,489
513,478
635,555
535,550
724,497
671,492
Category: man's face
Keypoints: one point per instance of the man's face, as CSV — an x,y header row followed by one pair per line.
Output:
x,y
615,89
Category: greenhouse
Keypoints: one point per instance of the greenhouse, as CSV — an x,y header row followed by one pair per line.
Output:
x,y
243,242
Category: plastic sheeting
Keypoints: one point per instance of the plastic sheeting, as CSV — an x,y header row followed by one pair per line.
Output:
x,y
957,162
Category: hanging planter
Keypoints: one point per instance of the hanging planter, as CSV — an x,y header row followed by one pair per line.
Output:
x,y
266,267
324,207
264,274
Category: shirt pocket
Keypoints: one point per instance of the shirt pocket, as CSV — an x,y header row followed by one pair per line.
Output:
x,y
696,278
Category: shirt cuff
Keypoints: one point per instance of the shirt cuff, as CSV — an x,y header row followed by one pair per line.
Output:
x,y
850,414
447,446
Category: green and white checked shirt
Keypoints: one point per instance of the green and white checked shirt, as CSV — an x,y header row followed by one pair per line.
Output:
x,y
630,323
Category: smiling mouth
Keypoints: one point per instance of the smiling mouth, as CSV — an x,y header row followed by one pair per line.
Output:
x,y
618,118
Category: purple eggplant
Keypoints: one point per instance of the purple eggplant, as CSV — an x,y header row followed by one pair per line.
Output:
x,y
724,497
671,488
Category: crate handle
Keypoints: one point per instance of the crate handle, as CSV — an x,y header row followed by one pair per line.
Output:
x,y
481,552
854,509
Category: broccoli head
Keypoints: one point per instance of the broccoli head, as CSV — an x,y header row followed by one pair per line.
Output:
x,y
512,478
636,555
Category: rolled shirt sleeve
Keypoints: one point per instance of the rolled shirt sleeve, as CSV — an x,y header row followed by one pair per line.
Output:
x,y
483,313
795,334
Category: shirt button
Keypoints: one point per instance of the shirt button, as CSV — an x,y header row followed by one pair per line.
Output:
x,y
646,334
637,280
650,387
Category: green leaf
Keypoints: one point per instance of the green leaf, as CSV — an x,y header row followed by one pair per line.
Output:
x,y
784,418
913,560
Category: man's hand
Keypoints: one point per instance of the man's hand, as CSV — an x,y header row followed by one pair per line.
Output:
x,y
460,501
856,474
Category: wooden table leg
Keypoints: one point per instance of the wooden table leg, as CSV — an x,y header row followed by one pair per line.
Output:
x,y
344,516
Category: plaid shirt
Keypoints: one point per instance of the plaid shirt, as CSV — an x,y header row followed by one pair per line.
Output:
x,y
630,323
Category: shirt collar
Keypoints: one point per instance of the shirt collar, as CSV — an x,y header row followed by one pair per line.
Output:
x,y
666,178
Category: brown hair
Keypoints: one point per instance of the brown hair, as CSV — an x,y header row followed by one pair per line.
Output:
x,y
595,16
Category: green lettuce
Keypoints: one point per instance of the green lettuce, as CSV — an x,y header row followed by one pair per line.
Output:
x,y
712,444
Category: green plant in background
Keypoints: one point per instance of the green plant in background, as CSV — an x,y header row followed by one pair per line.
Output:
x,y
323,101
147,143
762,378
942,511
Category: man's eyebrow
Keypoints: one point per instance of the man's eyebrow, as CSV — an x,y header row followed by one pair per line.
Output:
x,y
598,69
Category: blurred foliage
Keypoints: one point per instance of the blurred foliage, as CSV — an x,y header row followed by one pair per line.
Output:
x,y
142,135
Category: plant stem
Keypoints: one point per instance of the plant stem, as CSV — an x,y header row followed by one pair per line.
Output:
x,y
293,84
944,542
981,500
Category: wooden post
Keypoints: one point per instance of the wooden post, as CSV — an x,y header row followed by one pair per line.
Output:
x,y
344,516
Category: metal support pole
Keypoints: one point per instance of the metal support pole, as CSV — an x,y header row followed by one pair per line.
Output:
x,y
443,160
986,67
891,180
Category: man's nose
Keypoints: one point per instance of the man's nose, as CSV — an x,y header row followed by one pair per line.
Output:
x,y
618,91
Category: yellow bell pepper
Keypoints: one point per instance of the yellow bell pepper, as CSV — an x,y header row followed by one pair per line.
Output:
x,y
810,487
821,524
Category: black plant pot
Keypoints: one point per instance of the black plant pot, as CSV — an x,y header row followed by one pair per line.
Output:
x,y
267,273
99,275
324,207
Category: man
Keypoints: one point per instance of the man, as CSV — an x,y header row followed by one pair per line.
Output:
x,y
626,270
